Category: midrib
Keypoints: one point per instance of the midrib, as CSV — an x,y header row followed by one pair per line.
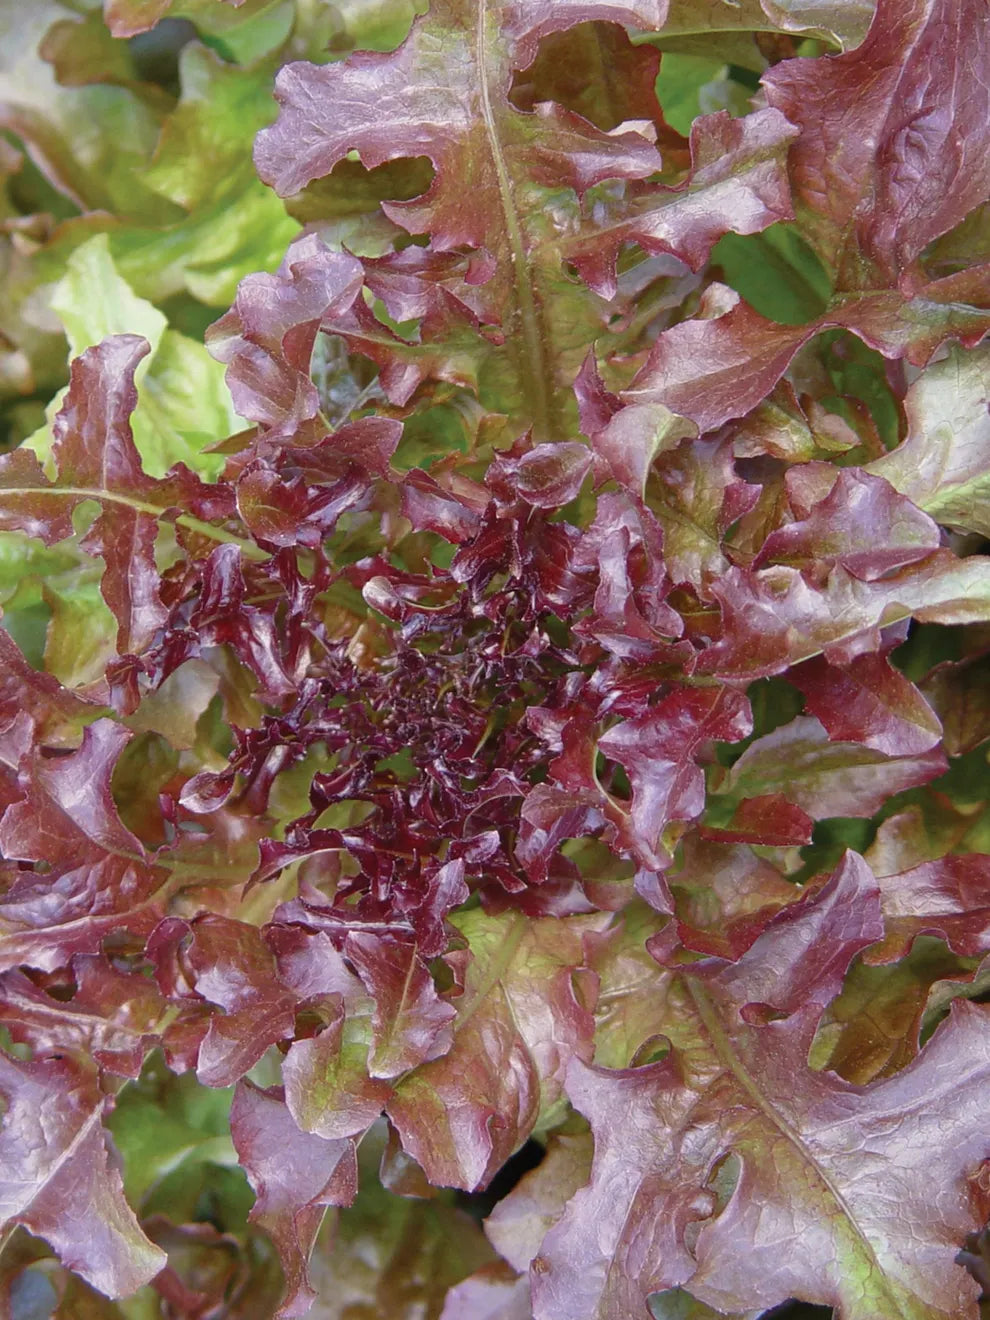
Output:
x,y
723,1047
534,367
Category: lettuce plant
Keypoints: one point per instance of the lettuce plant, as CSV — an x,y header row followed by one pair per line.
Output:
x,y
523,756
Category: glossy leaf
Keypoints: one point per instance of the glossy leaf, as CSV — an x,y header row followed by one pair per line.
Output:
x,y
720,1101
942,464
95,876
59,1178
520,1016
900,180
455,762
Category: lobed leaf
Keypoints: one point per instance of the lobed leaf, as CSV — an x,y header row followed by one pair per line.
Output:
x,y
520,1016
736,1095
59,1178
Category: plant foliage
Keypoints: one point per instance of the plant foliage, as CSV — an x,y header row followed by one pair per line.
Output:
x,y
535,709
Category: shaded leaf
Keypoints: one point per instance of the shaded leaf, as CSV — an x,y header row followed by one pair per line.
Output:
x,y
947,896
774,617
410,1024
388,1255
942,464
868,702
295,1175
225,962
59,1180
94,876
906,171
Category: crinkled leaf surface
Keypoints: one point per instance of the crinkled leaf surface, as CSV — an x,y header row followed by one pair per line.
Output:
x,y
392,1255
826,777
736,1094
295,1175
96,877
521,1014
942,464
885,161
181,398
96,459
479,747
443,94
59,1179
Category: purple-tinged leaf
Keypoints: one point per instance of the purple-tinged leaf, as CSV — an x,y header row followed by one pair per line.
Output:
x,y
94,875
824,777
546,476
428,506
176,706
949,896
226,963
924,832
55,711
30,504
295,1176
568,70
870,702
521,1016
697,496
309,963
508,320
388,1255
718,365
628,443
521,1220
801,957
659,752
873,1027
434,97
861,523
943,463
222,615
126,18
411,1023
725,895
96,459
116,1017
914,320
493,1293
958,693
768,819
628,1011
775,617
847,21
327,1086
873,188
735,1096
527,22
95,456
723,363
890,152
267,337
59,1178
737,183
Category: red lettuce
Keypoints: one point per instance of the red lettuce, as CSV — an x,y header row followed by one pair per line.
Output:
x,y
548,761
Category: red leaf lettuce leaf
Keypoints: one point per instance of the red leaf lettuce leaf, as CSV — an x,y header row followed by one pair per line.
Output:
x,y
59,1179
708,1162
295,1176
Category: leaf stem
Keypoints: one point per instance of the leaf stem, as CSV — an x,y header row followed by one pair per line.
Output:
x,y
726,1052
248,548
535,369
